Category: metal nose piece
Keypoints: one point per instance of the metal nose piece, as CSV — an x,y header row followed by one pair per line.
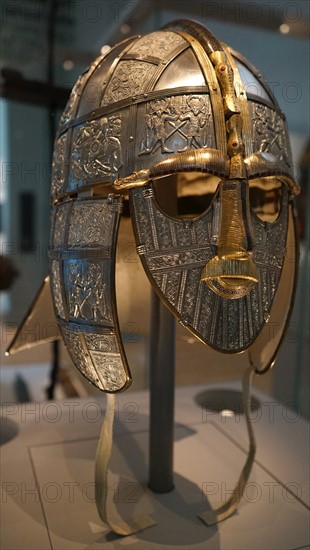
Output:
x,y
230,277
232,273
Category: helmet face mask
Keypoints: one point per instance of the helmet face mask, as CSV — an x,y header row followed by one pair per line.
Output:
x,y
220,286
179,116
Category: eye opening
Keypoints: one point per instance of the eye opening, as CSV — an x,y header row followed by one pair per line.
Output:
x,y
265,196
195,192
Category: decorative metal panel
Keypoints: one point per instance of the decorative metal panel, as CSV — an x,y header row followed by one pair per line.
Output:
x,y
174,253
82,279
270,132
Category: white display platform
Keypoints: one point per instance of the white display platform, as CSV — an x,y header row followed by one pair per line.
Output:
x,y
47,473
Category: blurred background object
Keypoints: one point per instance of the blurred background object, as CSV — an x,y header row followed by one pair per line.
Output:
x,y
8,273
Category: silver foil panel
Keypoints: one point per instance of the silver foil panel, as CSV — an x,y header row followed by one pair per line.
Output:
x,y
158,44
134,76
95,87
90,224
96,152
82,253
56,289
270,132
59,166
72,106
60,214
174,124
174,253
91,354
129,79
109,147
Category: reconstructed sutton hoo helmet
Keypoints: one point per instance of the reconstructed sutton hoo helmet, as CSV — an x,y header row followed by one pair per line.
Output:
x,y
175,109
159,110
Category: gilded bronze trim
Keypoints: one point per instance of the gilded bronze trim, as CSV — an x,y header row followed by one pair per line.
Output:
x,y
214,88
243,102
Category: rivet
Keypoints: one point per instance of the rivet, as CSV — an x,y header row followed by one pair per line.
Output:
x,y
131,138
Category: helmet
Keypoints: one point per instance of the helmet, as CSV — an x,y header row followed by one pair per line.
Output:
x,y
174,108
174,113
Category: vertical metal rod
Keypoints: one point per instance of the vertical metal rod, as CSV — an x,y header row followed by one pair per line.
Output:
x,y
54,370
162,397
162,375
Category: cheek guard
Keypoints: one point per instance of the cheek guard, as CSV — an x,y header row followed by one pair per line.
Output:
x,y
82,279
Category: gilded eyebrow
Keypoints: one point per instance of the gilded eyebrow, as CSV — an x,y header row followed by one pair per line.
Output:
x,y
209,161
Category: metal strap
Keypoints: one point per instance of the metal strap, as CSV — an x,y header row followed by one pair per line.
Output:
x,y
105,505
230,506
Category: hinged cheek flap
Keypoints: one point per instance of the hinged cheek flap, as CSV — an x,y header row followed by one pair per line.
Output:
x,y
82,257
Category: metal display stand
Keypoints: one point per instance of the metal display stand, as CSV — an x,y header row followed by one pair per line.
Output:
x,y
162,365
162,375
